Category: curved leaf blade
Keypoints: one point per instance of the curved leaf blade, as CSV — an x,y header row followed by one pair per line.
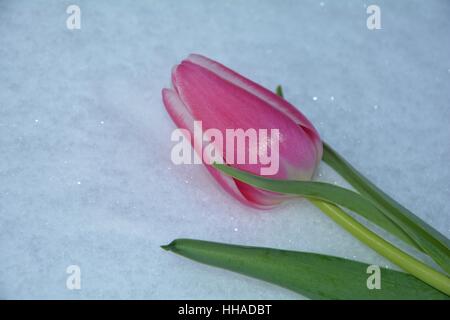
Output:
x,y
325,192
313,275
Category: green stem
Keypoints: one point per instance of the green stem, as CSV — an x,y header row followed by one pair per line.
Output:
x,y
400,258
424,237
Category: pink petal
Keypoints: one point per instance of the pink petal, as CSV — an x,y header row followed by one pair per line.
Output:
x,y
265,199
261,92
223,105
183,119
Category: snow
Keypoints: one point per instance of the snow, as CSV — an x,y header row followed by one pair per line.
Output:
x,y
85,170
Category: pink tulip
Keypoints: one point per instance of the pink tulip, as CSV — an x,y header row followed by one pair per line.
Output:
x,y
221,98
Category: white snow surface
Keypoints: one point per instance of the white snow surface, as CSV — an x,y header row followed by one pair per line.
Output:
x,y
85,170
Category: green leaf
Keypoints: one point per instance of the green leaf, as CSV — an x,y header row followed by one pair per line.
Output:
x,y
325,192
313,275
279,91
405,261
427,238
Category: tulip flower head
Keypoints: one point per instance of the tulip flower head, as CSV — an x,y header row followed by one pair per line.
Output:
x,y
247,127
